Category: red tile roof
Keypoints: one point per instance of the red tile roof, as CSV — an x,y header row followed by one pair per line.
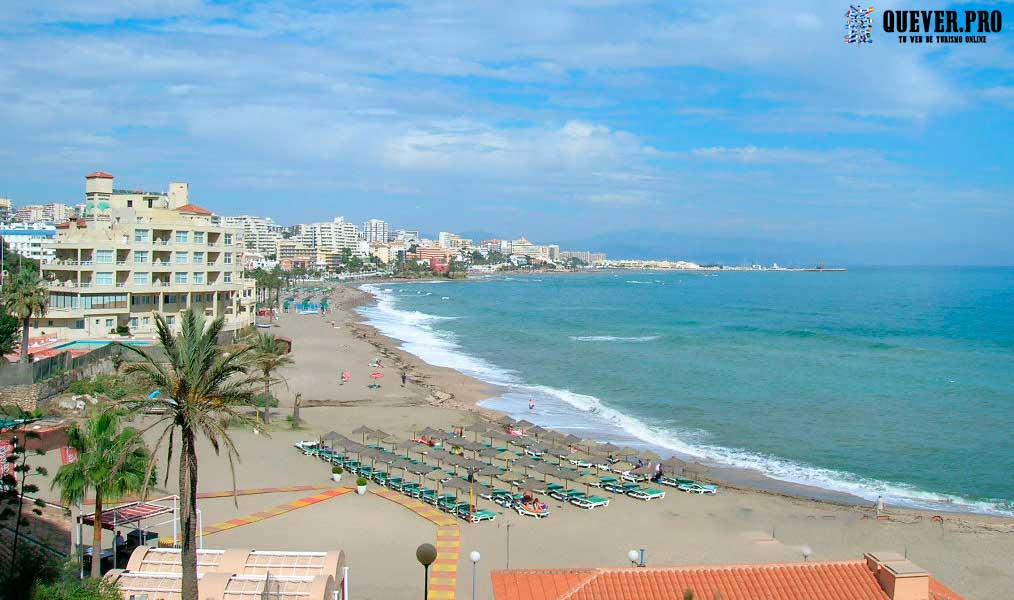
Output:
x,y
845,580
193,208
99,175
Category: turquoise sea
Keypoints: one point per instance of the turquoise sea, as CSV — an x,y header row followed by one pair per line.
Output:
x,y
877,381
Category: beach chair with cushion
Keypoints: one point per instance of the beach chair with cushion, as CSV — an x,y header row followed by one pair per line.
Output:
x,y
564,495
429,496
698,488
672,481
539,510
589,502
411,489
396,483
617,487
447,503
646,493
380,477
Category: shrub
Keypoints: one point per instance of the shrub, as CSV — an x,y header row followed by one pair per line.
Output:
x,y
362,481
336,470
85,589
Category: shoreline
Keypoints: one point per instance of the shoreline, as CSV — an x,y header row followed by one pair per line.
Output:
x,y
443,382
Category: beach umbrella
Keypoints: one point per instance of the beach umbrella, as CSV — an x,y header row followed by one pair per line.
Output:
x,y
332,436
536,430
506,456
645,470
489,470
505,420
474,465
587,480
429,432
696,469
494,434
511,476
627,452
420,449
379,435
438,454
673,464
523,442
362,430
488,452
527,462
476,428
406,445
580,457
523,424
623,467
436,475
572,439
608,448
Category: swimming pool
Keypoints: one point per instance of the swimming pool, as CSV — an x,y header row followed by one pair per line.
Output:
x,y
93,344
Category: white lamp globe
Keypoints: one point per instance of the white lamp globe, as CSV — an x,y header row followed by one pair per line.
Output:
x,y
634,556
474,556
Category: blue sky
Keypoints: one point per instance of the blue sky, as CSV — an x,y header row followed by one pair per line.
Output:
x,y
710,129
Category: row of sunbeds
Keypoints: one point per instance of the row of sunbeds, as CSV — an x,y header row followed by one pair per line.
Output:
x,y
445,502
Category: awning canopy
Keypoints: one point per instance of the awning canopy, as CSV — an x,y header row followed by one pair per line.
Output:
x,y
128,514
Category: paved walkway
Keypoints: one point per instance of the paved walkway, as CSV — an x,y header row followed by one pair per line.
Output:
x,y
444,571
228,494
274,512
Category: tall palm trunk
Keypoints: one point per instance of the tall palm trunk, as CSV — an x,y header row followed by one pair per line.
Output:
x,y
267,394
24,338
97,538
188,514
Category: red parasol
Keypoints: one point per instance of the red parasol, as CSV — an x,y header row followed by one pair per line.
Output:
x,y
376,375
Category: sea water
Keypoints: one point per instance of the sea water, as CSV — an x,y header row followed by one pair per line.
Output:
x,y
877,381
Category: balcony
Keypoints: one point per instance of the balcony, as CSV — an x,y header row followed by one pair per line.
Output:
x,y
160,242
121,263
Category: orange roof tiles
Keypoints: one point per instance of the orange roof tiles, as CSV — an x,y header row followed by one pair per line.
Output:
x,y
193,208
844,580
99,175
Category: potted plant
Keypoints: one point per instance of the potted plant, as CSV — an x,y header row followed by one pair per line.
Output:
x,y
361,485
336,473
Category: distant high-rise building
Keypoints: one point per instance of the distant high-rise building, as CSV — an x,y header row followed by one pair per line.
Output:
x,y
376,230
259,234
338,235
5,209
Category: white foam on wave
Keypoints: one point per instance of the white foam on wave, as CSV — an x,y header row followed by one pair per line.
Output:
x,y
614,338
413,328
598,421
639,282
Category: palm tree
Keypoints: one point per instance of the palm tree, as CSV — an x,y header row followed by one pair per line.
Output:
x,y
198,391
24,297
111,462
269,355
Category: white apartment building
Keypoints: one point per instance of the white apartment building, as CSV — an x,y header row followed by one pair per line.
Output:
x,y
376,230
133,253
335,236
410,236
259,234
6,208
450,240
31,240
53,212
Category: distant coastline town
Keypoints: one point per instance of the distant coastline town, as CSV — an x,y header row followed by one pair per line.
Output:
x,y
337,247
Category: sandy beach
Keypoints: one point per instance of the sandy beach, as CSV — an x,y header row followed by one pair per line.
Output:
x,y
969,553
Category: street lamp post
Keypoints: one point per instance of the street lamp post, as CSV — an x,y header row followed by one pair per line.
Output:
x,y
426,554
474,556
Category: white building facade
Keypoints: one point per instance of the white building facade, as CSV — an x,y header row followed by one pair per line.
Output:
x,y
30,240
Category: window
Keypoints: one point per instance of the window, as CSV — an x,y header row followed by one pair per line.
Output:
x,y
103,279
79,324
146,321
140,257
198,237
141,279
147,299
104,257
109,323
182,237
170,298
130,203
133,322
228,258
199,278
181,278
181,258
227,239
198,258
227,277
141,235
104,301
170,320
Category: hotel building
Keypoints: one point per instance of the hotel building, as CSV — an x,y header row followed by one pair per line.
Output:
x,y
133,253
259,233
376,230
30,240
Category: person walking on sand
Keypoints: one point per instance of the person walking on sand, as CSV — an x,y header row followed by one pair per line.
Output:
x,y
404,377
880,505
